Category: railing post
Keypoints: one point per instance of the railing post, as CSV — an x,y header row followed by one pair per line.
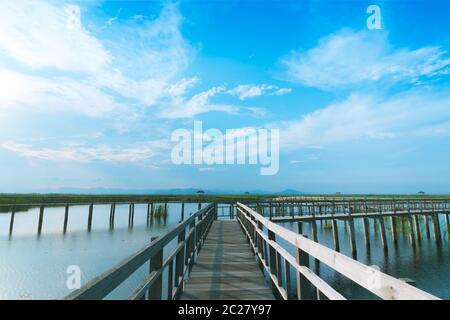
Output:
x,y
155,291
303,260
180,263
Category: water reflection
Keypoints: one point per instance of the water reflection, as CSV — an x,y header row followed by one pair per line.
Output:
x,y
33,267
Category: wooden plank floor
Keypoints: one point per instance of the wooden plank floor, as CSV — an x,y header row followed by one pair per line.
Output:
x,y
226,268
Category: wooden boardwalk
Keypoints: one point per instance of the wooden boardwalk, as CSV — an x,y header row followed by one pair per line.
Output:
x,y
226,268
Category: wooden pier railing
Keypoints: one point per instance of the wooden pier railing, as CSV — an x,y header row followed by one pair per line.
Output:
x,y
189,235
263,236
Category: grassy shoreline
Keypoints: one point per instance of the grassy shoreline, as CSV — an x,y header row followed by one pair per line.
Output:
x,y
48,199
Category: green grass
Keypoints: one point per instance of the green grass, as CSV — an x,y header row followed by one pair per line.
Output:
x,y
48,199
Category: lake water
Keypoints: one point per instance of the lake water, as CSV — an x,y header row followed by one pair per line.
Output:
x,y
33,267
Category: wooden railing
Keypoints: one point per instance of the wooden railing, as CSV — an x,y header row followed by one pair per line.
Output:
x,y
263,235
190,235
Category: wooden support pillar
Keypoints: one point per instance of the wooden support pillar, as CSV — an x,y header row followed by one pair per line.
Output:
x,y
314,225
427,225
394,229
366,228
335,230
11,221
112,214
131,216
335,235
302,283
351,226
41,219
436,226
199,205
182,211
447,223
382,232
417,227
156,262
66,218
89,224
411,227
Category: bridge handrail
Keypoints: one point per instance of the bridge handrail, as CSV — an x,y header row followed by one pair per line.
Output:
x,y
387,287
181,258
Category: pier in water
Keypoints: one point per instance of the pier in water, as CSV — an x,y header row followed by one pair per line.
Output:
x,y
405,242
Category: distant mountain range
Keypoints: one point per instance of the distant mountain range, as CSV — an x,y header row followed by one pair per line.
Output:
x,y
175,191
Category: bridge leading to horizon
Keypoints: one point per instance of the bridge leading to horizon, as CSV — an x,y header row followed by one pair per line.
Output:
x,y
245,256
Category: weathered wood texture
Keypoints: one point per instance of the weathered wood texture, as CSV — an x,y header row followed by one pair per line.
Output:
x,y
226,268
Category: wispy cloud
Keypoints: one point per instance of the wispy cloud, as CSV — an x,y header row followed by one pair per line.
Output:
x,y
180,106
85,154
65,65
246,91
348,59
368,117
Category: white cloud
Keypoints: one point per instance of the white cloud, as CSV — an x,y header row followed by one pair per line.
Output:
x,y
197,104
40,35
137,60
246,91
349,58
60,94
84,154
367,117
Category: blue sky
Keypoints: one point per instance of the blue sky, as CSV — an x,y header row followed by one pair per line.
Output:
x,y
90,92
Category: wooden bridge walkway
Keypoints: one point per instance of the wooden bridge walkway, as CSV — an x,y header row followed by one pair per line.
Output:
x,y
224,259
226,268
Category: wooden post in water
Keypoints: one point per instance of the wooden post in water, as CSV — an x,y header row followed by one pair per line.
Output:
x,y
394,227
199,205
314,224
335,230
182,211
149,210
351,226
66,218
436,226
382,230
11,221
156,262
91,209
41,218
112,214
427,224
447,223
131,215
366,228
411,226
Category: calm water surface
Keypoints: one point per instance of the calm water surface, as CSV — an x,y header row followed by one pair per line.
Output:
x,y
33,267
